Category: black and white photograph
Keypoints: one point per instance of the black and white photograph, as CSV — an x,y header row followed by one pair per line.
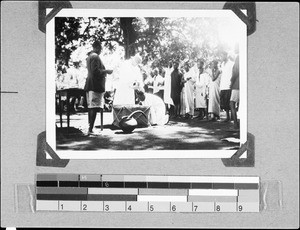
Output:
x,y
162,83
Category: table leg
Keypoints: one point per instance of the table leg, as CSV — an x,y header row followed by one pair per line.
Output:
x,y
60,109
101,114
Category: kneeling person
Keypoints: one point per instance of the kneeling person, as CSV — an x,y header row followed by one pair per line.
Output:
x,y
158,114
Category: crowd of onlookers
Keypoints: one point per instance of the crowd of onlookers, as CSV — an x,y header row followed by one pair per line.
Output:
x,y
73,76
189,89
197,89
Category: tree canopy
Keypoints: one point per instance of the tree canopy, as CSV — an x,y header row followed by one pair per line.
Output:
x,y
157,39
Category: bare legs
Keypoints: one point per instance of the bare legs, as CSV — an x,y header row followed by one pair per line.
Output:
x,y
92,117
227,115
175,110
92,113
233,114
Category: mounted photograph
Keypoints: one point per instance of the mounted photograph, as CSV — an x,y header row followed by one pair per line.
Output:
x,y
137,83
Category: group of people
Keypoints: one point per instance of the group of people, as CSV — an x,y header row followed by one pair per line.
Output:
x,y
204,87
73,76
179,89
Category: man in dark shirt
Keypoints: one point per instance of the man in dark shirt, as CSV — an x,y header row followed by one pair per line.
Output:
x,y
95,84
176,87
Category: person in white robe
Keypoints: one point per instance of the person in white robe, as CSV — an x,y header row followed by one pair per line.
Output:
x,y
190,90
167,86
130,78
158,114
202,81
183,96
214,92
158,83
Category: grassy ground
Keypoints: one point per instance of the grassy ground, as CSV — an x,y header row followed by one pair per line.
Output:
x,y
178,134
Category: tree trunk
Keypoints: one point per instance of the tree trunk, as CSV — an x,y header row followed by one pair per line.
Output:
x,y
129,35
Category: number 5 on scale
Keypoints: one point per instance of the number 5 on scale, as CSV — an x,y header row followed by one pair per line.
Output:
x,y
151,208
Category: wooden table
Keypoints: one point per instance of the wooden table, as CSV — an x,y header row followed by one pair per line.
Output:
x,y
71,92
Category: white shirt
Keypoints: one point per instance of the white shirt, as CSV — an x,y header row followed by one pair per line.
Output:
x,y
158,83
226,74
203,80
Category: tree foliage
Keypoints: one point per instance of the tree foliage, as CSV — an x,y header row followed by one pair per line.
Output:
x,y
158,39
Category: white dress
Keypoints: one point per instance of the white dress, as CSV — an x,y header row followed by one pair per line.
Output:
x,y
214,96
167,87
201,89
190,92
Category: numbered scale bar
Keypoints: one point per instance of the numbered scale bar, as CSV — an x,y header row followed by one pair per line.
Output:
x,y
107,193
141,206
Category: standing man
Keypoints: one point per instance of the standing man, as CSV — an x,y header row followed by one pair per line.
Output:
x,y
235,92
201,89
176,87
158,84
226,70
95,84
214,92
189,76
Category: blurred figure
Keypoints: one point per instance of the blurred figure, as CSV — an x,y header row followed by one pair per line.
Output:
x,y
148,83
235,92
72,80
189,90
60,79
201,89
183,97
226,74
82,75
61,66
158,83
214,92
167,87
176,87
130,79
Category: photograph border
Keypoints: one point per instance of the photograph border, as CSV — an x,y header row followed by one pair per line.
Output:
x,y
140,154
